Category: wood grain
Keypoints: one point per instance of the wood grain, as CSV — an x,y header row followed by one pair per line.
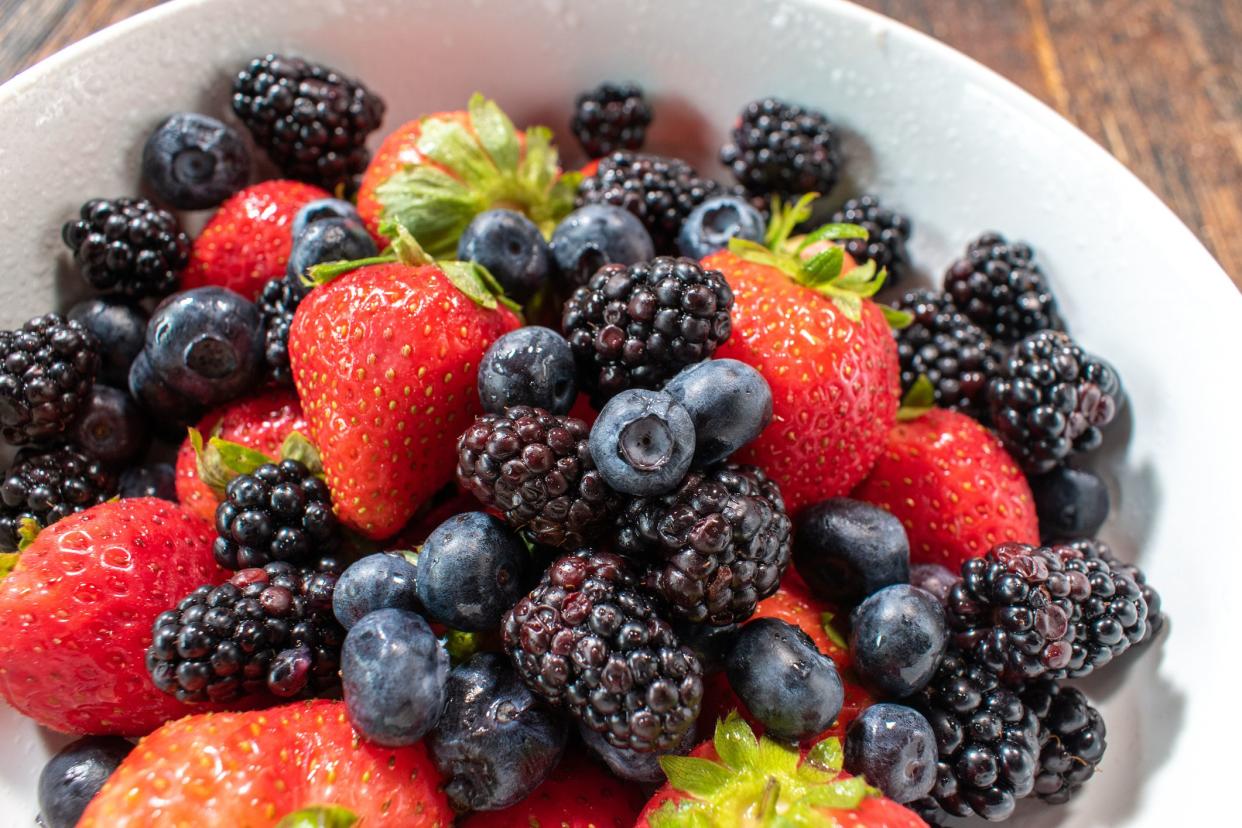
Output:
x,y
1156,82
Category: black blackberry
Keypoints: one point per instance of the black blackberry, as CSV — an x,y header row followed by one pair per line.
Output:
x,y
45,486
264,631
782,148
887,234
1049,399
1155,617
47,370
986,738
1121,602
999,286
128,246
611,117
589,638
1071,739
312,120
278,512
277,303
535,468
713,548
636,326
950,350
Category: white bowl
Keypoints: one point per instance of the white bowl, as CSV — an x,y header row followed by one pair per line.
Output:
x,y
954,145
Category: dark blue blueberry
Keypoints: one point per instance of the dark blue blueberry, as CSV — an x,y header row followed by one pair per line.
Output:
x,y
511,247
121,328
170,410
636,766
897,639
71,778
845,550
329,240
322,208
642,442
529,366
206,344
934,578
710,643
593,236
709,226
894,747
496,740
393,672
193,161
380,581
152,480
113,427
729,402
1070,503
471,570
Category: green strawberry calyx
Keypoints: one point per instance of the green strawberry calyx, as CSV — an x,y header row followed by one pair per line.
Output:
x,y
920,399
758,782
320,816
221,461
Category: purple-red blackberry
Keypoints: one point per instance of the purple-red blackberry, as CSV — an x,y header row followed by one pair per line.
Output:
x,y
611,117
277,303
128,246
47,370
946,347
999,286
781,148
278,512
45,486
1155,617
887,234
1122,602
1071,737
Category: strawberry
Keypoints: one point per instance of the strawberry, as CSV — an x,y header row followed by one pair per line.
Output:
x,y
954,487
248,239
384,358
303,760
825,349
77,612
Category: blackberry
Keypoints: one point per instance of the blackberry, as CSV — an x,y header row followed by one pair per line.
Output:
x,y
1049,399
611,117
128,246
278,512
589,638
782,148
887,234
312,120
713,548
987,742
45,486
47,370
535,468
1071,739
264,631
636,326
950,350
277,303
999,286
1099,549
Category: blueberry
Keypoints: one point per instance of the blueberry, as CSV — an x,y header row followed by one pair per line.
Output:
x,y
783,680
934,578
496,740
71,778
322,208
329,240
598,234
711,644
471,570
152,480
529,366
642,442
112,427
633,765
709,226
193,161
393,673
1070,503
206,344
897,639
729,402
894,747
380,581
510,246
170,410
846,550
120,327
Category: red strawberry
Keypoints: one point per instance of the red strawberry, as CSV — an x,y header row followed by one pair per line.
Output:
x,y
77,612
228,770
954,487
248,239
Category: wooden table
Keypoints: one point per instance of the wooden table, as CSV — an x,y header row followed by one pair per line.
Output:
x,y
1157,82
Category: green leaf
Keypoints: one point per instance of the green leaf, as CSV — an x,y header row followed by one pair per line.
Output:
x,y
841,793
319,816
775,758
8,560
834,635
786,217
860,277
410,555
297,447
220,461
449,143
735,743
461,645
920,399
465,276
824,266
684,814
537,172
495,132
27,530
495,288
835,232
238,458
432,205
849,304
406,247
827,755
896,319
321,274
701,777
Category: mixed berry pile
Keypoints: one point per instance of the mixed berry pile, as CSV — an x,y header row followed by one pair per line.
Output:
x,y
452,485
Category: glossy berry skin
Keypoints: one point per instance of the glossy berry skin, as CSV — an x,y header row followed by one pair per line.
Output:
x,y
934,578
71,778
1071,503
1072,739
595,235
631,765
531,366
278,302
846,550
47,368
194,161
379,581
322,208
785,682
394,672
709,226
998,284
729,402
610,117
328,240
780,147
887,234
496,739
945,346
643,442
169,410
278,512
471,570
1097,549
710,643
127,246
112,428
894,746
512,248
151,480
48,485
120,327
898,637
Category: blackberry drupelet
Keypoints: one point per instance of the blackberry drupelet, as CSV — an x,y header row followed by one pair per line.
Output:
x,y
998,285
1101,550
1071,739
782,148
128,246
47,370
277,303
611,117
950,350
312,120
637,326
278,512
46,486
589,638
887,234
535,468
264,631
1049,399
